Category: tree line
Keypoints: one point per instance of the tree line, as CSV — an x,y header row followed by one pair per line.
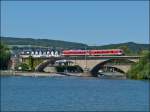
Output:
x,y
140,70
4,56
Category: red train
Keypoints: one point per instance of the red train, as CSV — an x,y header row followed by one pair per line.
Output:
x,y
92,52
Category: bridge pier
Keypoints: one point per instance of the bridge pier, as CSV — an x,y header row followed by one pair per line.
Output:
x,y
87,74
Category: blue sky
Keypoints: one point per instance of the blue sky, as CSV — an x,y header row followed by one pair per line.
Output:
x,y
90,22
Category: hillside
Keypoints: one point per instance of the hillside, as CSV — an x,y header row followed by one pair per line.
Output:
x,y
42,42
134,47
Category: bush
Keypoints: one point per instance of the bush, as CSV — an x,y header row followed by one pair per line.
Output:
x,y
22,67
141,70
4,56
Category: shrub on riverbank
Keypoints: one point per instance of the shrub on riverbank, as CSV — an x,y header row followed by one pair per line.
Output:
x,y
22,67
141,70
4,57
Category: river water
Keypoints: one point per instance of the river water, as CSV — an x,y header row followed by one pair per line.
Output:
x,y
73,94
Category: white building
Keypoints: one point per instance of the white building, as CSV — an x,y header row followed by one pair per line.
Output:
x,y
40,53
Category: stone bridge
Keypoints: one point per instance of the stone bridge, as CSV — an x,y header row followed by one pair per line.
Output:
x,y
91,65
121,63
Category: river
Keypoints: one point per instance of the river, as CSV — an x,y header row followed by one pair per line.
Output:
x,y
73,94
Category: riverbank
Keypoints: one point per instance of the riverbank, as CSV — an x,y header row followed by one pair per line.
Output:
x,y
60,74
20,73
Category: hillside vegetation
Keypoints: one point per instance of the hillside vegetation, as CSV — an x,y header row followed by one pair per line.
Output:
x,y
131,47
4,56
42,42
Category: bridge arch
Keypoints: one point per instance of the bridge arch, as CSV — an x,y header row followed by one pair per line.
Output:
x,y
56,63
117,64
41,66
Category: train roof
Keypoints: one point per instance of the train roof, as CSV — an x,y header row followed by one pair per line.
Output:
x,y
92,49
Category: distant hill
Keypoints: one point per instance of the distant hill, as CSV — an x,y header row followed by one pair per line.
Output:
x,y
134,47
42,43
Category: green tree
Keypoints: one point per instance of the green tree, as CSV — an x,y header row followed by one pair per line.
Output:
x,y
22,67
141,70
143,52
4,56
126,50
31,62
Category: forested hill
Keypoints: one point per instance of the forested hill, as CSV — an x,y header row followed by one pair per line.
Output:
x,y
42,43
134,47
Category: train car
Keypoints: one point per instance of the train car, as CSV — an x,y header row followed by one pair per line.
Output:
x,y
92,52
75,52
106,52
